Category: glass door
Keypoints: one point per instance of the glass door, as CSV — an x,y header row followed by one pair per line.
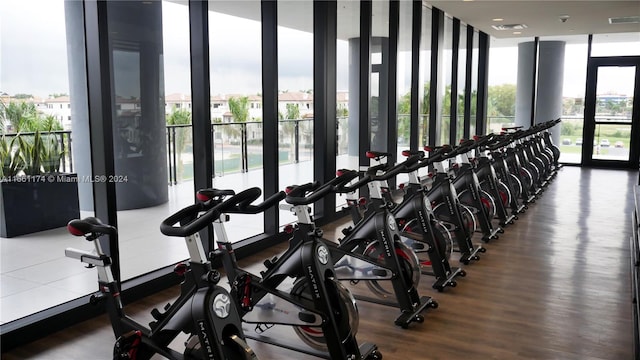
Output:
x,y
612,112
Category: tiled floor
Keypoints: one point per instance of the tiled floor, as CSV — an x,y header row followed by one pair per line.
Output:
x,y
35,275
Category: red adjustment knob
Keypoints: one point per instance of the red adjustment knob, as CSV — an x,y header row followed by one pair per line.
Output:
x,y
401,186
289,229
370,155
180,269
362,201
462,140
430,175
406,153
476,137
427,148
455,165
288,189
202,197
340,172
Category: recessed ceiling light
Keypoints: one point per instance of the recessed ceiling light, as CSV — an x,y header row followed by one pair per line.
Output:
x,y
498,19
517,32
503,27
625,20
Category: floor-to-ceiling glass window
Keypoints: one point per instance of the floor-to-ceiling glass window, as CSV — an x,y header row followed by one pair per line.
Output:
x,y
347,68
424,77
42,72
140,135
379,101
404,77
444,89
474,82
295,94
235,49
462,73
177,83
503,77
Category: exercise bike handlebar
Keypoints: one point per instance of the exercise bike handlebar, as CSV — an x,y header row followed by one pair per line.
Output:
x,y
90,225
390,172
297,194
189,220
434,156
240,203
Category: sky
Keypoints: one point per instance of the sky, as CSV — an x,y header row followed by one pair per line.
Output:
x,y
33,55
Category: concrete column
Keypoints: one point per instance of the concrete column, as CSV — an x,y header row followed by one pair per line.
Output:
x,y
550,77
550,83
524,89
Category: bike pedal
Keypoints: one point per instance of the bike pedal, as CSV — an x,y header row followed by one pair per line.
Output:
x,y
156,314
270,262
346,231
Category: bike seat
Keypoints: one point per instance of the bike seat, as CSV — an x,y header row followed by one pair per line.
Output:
x,y
407,153
90,225
208,194
376,154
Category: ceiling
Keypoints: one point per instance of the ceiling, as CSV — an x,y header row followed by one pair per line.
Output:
x,y
543,17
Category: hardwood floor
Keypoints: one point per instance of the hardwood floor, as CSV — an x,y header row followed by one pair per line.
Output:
x,y
556,285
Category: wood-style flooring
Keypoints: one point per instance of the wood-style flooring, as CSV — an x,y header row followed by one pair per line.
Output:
x,y
555,285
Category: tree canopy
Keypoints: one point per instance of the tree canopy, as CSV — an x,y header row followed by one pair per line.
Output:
x,y
239,108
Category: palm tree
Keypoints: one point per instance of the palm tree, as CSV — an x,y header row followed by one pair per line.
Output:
x,y
180,117
288,127
239,108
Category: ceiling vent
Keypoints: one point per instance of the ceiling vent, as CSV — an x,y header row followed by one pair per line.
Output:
x,y
507,27
625,20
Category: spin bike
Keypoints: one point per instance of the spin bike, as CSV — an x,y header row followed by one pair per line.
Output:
x,y
512,184
421,228
471,195
203,310
372,250
490,183
321,311
448,208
